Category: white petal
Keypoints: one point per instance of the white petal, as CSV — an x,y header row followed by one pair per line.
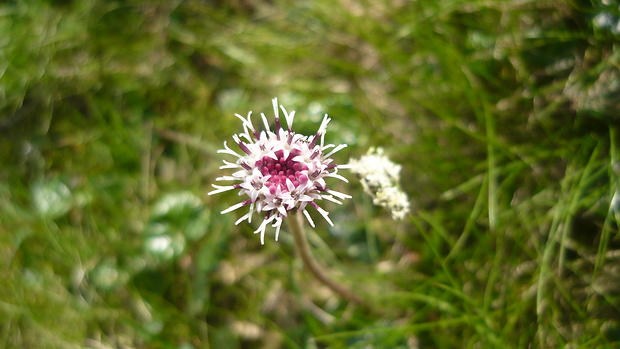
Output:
x,y
338,148
282,210
335,175
278,225
323,127
265,122
274,103
247,216
309,218
251,210
272,155
331,198
339,195
261,229
234,207
229,151
290,185
227,178
228,164
347,166
246,135
290,117
253,194
247,123
241,173
220,189
325,215
305,198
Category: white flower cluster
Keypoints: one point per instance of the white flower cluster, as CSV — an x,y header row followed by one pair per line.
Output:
x,y
380,178
280,171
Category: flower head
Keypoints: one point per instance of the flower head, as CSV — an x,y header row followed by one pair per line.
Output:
x,y
380,179
280,171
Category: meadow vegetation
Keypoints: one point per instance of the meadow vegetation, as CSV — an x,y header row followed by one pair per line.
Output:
x,y
503,114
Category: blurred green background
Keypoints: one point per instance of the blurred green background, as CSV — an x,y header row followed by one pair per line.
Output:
x,y
503,114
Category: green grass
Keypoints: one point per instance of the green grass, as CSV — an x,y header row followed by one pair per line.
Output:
x,y
503,114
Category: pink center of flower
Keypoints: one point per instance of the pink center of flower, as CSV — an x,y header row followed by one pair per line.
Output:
x,y
282,169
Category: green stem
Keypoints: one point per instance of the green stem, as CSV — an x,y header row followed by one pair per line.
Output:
x,y
297,229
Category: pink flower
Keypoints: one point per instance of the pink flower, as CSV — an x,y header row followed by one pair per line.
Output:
x,y
280,171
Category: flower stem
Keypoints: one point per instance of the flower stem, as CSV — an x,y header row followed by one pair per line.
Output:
x,y
295,222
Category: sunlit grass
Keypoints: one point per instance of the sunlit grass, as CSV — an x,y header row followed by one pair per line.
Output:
x,y
502,114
